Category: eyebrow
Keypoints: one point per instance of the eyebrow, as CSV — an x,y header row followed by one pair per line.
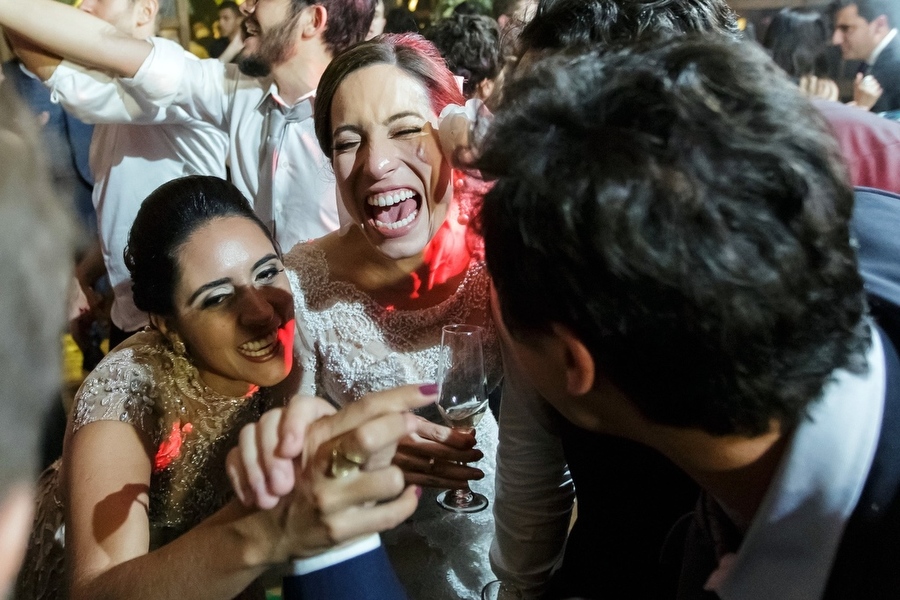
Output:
x,y
391,119
224,280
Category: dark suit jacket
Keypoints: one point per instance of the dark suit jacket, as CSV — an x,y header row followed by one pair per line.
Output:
x,y
865,567
368,576
887,71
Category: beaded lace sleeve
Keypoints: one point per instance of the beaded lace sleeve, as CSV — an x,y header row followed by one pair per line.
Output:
x,y
121,388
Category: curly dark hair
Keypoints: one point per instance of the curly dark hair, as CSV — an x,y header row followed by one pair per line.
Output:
x,y
562,24
165,221
684,211
471,46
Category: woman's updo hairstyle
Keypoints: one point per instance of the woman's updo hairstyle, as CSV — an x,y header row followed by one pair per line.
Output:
x,y
165,221
409,52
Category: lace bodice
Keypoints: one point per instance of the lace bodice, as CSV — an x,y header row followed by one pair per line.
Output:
x,y
349,345
145,384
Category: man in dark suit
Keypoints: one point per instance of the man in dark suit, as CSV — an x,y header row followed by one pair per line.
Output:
x,y
670,276
866,30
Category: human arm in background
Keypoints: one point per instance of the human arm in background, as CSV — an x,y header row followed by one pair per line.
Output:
x,y
534,491
131,81
232,50
70,33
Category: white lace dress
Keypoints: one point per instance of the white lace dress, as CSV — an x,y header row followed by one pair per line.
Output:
x,y
348,346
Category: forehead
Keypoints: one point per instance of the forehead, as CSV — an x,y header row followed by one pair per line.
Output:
x,y
848,14
221,248
376,93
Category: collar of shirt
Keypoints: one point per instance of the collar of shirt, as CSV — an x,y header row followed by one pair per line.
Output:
x,y
880,47
273,93
793,538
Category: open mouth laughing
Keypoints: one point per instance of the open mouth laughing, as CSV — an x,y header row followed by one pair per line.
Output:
x,y
261,349
393,212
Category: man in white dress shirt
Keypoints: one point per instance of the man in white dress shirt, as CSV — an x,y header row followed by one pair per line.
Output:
x,y
263,106
135,148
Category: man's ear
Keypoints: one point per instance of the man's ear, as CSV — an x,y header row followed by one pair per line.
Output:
x,y
147,11
315,21
881,25
580,368
16,514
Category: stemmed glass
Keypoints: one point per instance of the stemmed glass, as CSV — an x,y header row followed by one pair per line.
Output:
x,y
462,399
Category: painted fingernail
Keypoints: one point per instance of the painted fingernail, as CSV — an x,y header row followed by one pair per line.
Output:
x,y
418,492
430,389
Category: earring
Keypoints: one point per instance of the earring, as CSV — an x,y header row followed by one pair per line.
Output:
x,y
178,346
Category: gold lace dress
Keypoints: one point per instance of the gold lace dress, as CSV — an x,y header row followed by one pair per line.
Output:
x,y
143,383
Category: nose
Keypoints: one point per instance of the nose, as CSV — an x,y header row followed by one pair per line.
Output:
x,y
837,38
247,7
256,308
87,6
381,158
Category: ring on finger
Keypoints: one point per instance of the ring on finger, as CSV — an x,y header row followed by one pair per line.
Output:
x,y
344,463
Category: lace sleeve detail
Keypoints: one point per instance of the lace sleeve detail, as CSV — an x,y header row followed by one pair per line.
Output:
x,y
304,344
121,388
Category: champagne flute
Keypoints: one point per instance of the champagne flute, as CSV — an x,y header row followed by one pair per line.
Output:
x,y
462,399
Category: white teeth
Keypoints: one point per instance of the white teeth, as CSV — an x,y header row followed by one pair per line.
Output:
x,y
401,223
390,198
259,347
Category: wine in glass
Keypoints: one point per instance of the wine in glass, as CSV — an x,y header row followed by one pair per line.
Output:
x,y
462,399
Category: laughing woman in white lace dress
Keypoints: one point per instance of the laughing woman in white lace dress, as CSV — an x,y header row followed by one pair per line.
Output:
x,y
371,299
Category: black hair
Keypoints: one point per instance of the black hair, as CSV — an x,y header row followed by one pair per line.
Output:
x,y
230,5
871,9
684,211
797,40
400,20
165,221
348,21
471,46
562,24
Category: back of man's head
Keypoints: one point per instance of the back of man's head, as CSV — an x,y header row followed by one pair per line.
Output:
x,y
683,211
348,22
562,24
35,246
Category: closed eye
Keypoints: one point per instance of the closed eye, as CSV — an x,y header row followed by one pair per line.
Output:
x,y
214,300
268,274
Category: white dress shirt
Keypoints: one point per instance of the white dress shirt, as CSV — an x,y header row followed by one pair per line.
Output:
x,y
304,205
792,541
136,148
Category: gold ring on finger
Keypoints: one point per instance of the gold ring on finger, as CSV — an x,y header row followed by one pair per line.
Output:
x,y
341,464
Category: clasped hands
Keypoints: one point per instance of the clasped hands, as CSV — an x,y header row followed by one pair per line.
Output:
x,y
299,462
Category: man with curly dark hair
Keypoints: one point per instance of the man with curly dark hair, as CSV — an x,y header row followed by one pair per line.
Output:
x,y
669,237
470,44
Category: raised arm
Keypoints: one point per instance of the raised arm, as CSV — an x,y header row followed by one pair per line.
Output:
x,y
75,35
